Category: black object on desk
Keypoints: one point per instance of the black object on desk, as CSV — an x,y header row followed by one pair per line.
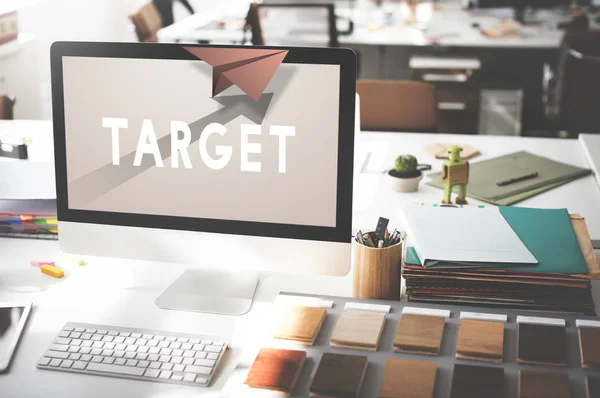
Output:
x,y
13,150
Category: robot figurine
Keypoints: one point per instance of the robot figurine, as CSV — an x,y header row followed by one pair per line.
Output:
x,y
455,172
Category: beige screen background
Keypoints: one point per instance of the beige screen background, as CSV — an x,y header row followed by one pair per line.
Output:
x,y
303,95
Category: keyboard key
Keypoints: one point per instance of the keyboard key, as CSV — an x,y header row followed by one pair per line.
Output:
x,y
212,355
129,340
194,341
103,332
165,374
109,346
74,349
120,347
119,340
163,344
141,356
166,366
188,354
141,342
61,340
63,348
177,353
159,337
154,350
176,360
175,344
85,350
74,335
85,336
92,331
191,377
97,358
96,351
44,361
131,362
205,342
131,348
147,336
152,373
186,346
129,355
183,339
113,333
177,377
143,364
152,343
188,361
96,337
108,360
153,357
119,354
108,353
107,339
120,361
68,328
55,363
205,362
125,334
198,347
201,380
143,349
212,348
155,365
80,330
178,368
219,343
57,354
98,344
75,357
136,335
170,338
200,355
67,363
198,369
79,365
123,370
87,343
164,358
64,334
86,358
76,342
166,351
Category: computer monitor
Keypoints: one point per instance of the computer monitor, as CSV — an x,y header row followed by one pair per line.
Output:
x,y
521,5
234,158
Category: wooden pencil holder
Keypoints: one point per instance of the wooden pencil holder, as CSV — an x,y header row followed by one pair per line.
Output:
x,y
377,271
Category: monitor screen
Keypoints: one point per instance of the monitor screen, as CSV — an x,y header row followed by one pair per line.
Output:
x,y
241,138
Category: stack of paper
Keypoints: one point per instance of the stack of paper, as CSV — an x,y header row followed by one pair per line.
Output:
x,y
27,200
560,281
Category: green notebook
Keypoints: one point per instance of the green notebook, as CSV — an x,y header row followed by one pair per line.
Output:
x,y
484,175
547,233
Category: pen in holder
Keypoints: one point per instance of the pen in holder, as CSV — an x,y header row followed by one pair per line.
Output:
x,y
377,270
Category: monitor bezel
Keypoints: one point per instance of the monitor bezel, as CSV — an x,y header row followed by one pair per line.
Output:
x,y
345,58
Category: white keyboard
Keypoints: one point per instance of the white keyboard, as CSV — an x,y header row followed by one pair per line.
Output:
x,y
134,354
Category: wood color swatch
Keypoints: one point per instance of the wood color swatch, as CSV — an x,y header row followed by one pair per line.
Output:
x,y
419,334
299,324
536,384
592,386
275,369
480,340
339,376
359,330
589,345
404,378
542,345
470,381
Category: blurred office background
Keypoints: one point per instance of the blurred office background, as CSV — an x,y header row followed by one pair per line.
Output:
x,y
498,67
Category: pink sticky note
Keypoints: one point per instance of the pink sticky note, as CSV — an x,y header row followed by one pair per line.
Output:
x,y
40,263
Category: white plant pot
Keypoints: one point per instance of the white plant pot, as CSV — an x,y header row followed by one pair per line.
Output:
x,y
404,184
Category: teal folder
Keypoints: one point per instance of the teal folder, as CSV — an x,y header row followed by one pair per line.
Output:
x,y
547,233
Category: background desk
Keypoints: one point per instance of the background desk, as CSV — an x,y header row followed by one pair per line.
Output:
x,y
119,292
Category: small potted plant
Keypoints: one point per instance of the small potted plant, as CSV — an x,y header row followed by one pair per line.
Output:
x,y
405,175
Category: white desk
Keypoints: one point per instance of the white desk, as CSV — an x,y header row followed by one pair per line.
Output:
x,y
118,292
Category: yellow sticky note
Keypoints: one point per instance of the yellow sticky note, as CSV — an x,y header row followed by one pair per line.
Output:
x,y
52,271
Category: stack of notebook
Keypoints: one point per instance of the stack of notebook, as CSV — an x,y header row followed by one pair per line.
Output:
x,y
469,256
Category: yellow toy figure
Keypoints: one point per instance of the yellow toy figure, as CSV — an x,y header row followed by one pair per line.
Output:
x,y
455,172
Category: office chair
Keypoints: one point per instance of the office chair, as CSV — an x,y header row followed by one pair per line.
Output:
x,y
7,104
147,22
572,97
165,9
255,23
394,105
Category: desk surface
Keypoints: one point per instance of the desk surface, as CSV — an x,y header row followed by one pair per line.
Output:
x,y
120,292
448,26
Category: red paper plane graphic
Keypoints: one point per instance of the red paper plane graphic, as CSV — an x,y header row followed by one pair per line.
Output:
x,y
248,68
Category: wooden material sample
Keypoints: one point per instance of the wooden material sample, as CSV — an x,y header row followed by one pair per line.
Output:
x,y
359,330
542,345
589,345
404,378
339,376
299,324
480,340
470,381
537,384
377,272
592,386
275,369
419,334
